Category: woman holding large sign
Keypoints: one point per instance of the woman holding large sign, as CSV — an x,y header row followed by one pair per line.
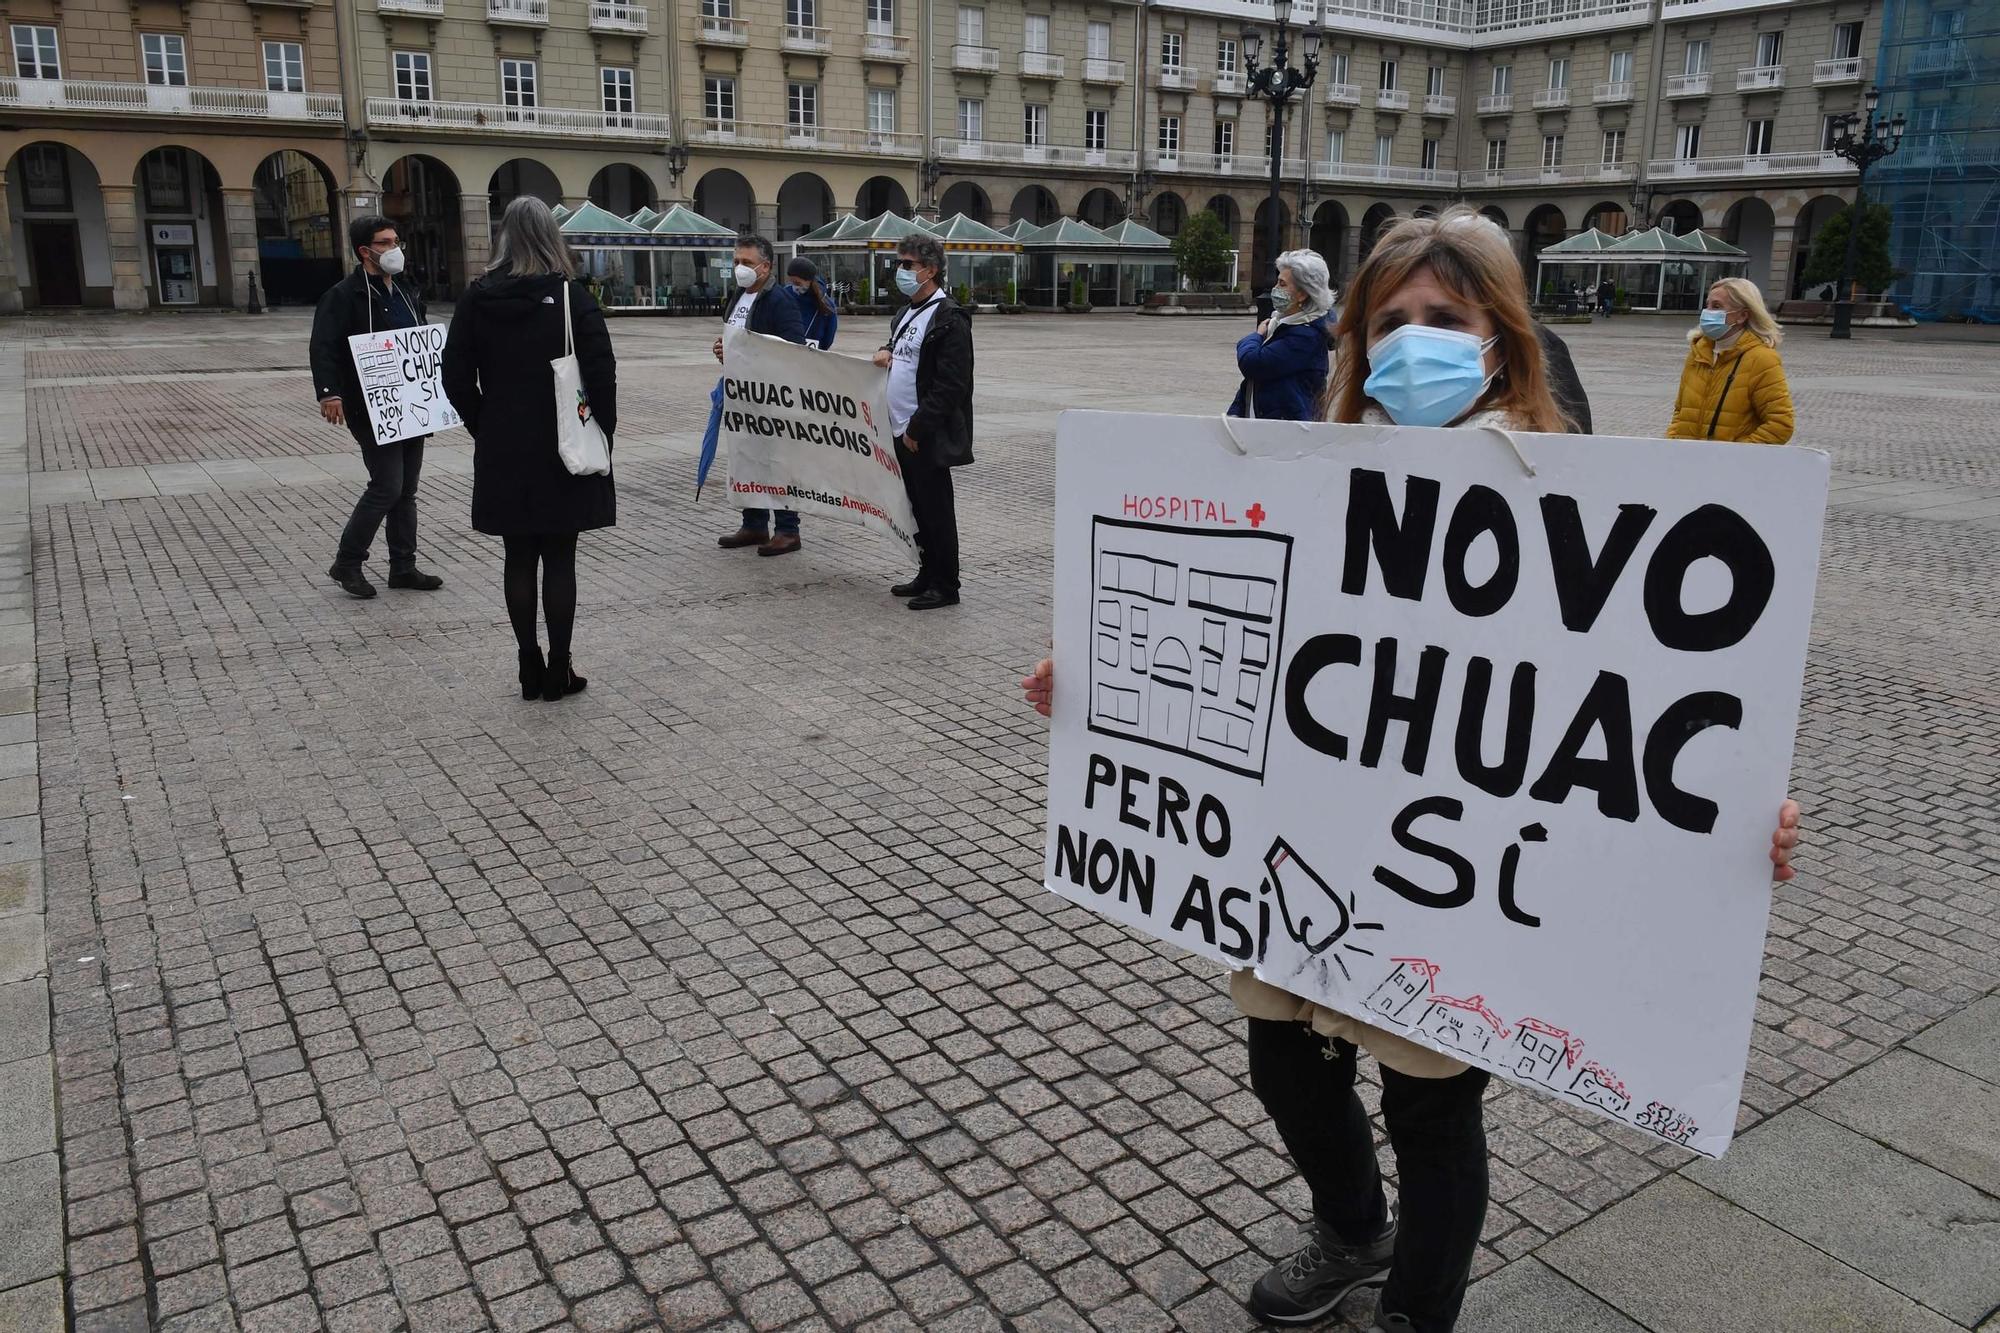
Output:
x,y
1435,332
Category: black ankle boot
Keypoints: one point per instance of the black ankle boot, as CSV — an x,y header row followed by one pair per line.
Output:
x,y
559,680
532,672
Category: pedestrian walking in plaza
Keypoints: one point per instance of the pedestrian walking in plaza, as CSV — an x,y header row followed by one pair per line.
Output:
x,y
1733,385
1607,294
371,299
1435,331
507,329
1284,363
929,360
763,304
816,308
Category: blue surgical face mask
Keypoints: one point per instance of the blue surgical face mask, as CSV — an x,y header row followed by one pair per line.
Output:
x,y
907,281
1715,323
1427,377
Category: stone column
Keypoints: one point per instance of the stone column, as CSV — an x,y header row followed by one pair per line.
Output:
x,y
766,218
127,245
1778,282
10,287
239,252
1350,249
476,234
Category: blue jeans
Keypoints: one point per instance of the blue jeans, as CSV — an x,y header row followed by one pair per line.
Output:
x,y
759,520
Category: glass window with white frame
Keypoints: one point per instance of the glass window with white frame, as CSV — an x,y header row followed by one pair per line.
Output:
x,y
1385,149
1847,41
971,119
413,76
971,26
1503,80
35,52
718,9
1496,154
614,83
1621,67
1687,142
1169,142
1336,67
1388,82
1097,41
718,102
1225,55
1552,151
1336,145
1170,51
1430,155
881,16
1225,139
1757,138
166,59
881,110
1434,81
801,13
1035,35
284,67
1614,148
802,107
1770,49
517,83
1696,60
1096,129
1035,124
1829,131
1558,73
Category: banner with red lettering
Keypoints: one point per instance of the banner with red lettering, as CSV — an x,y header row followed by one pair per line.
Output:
x,y
1477,739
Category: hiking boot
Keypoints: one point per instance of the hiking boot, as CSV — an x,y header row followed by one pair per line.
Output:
x,y
1304,1287
415,579
352,582
741,538
783,543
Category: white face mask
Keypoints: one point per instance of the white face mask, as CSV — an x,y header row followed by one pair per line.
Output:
x,y
746,277
390,262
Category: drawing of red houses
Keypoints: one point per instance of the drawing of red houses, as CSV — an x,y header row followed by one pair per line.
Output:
x,y
1542,1050
1467,1025
1402,989
1599,1087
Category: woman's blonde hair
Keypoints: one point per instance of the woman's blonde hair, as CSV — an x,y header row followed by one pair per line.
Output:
x,y
1471,258
1743,294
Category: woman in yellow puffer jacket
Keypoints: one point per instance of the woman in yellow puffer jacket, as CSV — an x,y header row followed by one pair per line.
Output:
x,y
1733,386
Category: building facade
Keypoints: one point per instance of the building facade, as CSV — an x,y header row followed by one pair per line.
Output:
x,y
161,152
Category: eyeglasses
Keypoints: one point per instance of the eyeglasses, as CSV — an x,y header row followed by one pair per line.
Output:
x,y
907,263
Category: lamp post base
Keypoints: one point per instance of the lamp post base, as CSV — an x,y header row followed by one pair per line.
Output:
x,y
1843,320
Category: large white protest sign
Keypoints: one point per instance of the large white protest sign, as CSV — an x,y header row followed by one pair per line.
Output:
x,y
402,381
809,430
1484,757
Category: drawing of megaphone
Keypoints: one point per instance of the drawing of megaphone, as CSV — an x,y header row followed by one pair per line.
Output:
x,y
1315,916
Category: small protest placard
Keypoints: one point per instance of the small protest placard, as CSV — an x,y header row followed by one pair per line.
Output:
x,y
809,431
402,381
1486,758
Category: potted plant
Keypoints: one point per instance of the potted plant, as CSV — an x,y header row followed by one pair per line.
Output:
x,y
1079,296
1012,305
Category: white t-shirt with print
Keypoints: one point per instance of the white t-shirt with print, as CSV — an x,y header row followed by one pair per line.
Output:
x,y
739,314
904,346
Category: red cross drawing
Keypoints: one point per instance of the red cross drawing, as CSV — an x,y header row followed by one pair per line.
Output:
x,y
1255,513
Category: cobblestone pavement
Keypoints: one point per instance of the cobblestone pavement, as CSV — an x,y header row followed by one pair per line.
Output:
x,y
725,994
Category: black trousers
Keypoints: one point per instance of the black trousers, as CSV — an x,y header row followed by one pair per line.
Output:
x,y
928,484
553,555
391,494
1438,1131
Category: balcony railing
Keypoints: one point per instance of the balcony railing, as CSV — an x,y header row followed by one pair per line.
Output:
x,y
1496,104
1688,85
1097,70
1041,65
485,116
1229,83
1042,155
717,30
1564,173
1343,94
804,138
1511,20
804,40
96,95
1611,94
1181,78
1749,164
1391,99
1845,70
429,7
1760,78
612,16
885,46
1380,174
976,59
526,13
1440,104
1254,166
1551,99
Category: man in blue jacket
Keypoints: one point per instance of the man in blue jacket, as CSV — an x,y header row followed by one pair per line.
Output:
x,y
763,304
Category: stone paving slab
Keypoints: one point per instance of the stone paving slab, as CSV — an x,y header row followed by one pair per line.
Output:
x,y
24,1020
1931,1237
27,1103
35,1308
1680,1259
1968,1041
31,1201
1527,1296
1936,1114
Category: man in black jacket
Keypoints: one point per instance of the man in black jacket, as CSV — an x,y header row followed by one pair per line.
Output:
x,y
369,300
763,304
929,360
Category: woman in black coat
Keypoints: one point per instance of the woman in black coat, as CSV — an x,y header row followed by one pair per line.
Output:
x,y
504,333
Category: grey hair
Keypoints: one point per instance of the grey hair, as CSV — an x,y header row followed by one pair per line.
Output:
x,y
1309,275
926,250
761,244
530,245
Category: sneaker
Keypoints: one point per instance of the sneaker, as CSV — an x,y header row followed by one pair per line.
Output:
x,y
352,582
1306,1286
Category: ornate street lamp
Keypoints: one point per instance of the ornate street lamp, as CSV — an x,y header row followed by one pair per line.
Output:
x,y
677,163
1875,141
1276,83
1137,191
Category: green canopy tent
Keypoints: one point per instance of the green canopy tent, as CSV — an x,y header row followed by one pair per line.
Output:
x,y
857,256
1584,248
645,217
561,211
676,264
1064,252
1147,264
1685,266
979,260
